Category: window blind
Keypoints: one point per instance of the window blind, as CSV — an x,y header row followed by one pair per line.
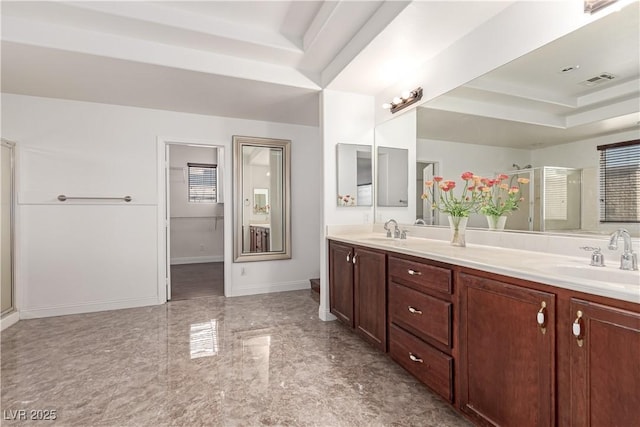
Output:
x,y
203,183
620,182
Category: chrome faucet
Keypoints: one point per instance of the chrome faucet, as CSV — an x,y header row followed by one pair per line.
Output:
x,y
396,230
420,221
629,259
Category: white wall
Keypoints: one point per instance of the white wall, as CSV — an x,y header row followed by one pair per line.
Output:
x,y
346,118
399,133
196,228
454,158
79,257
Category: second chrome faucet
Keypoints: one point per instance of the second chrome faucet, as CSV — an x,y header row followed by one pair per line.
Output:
x,y
628,259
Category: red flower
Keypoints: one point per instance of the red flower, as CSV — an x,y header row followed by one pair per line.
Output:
x,y
437,178
467,176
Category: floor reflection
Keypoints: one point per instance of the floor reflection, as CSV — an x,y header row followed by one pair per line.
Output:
x,y
203,339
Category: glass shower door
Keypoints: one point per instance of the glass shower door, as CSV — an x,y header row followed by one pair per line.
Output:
x,y
6,227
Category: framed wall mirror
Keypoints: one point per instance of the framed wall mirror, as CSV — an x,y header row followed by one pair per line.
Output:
x,y
393,178
354,175
262,203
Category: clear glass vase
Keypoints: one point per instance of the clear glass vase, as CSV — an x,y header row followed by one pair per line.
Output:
x,y
496,222
458,226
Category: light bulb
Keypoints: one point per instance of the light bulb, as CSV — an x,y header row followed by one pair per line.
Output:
x,y
396,100
406,94
386,106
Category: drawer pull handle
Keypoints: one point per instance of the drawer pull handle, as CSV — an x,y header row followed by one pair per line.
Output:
x,y
414,273
349,257
541,317
414,311
353,260
415,359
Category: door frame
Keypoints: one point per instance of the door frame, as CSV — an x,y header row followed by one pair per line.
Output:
x,y
12,315
164,225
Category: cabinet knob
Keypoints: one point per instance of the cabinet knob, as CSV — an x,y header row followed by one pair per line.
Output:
x,y
414,272
353,260
576,328
413,310
349,256
415,358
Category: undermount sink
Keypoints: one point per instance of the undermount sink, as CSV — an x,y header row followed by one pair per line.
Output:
x,y
608,274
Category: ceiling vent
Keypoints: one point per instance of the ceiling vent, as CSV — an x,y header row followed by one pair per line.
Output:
x,y
599,79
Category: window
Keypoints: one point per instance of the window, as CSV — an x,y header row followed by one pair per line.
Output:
x,y
620,182
203,183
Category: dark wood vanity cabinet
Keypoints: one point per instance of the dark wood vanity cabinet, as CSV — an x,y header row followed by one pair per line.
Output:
x,y
421,321
604,365
341,282
357,290
507,358
515,352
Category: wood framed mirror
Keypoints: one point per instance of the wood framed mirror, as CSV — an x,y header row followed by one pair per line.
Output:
x,y
262,199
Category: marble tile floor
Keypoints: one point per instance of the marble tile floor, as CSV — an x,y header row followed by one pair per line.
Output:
x,y
197,280
262,360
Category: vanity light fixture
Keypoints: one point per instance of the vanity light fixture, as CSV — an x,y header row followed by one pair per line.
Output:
x,y
407,98
592,6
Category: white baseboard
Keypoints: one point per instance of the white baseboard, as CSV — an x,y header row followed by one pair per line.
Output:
x,y
86,308
266,288
325,315
197,259
9,319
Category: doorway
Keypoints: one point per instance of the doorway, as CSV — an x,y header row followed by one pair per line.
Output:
x,y
425,171
194,219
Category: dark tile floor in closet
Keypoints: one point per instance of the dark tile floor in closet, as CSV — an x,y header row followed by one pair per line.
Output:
x,y
197,280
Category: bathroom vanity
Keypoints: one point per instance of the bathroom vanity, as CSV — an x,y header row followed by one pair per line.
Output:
x,y
503,338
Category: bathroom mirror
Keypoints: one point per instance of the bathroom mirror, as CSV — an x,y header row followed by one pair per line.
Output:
x,y
392,180
354,167
260,200
542,114
262,204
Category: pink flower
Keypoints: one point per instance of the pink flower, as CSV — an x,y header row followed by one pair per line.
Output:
x,y
467,176
502,177
437,178
523,180
504,186
513,190
428,184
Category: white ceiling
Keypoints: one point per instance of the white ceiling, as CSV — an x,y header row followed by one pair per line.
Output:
x,y
530,103
260,60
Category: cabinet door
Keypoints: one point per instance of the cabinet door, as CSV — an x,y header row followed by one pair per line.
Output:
x,y
370,297
341,282
507,366
605,365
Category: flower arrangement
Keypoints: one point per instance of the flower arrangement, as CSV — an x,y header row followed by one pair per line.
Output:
x,y
498,197
346,200
468,202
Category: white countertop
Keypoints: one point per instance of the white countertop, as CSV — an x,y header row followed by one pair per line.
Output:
x,y
562,271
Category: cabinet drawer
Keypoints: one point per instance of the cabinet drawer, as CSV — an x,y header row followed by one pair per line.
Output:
x,y
432,367
421,314
420,276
